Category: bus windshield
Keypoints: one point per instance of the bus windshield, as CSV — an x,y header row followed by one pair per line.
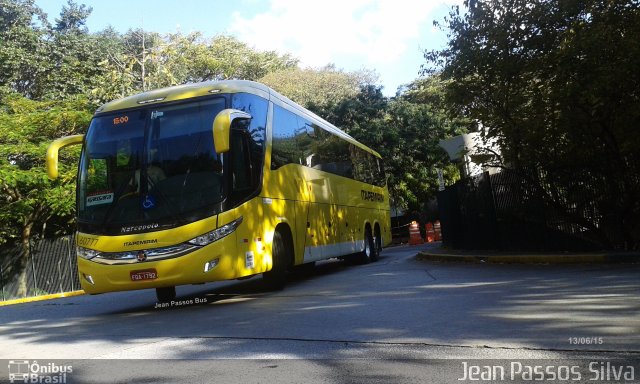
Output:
x,y
150,169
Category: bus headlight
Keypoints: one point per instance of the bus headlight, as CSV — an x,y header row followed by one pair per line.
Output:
x,y
217,234
86,253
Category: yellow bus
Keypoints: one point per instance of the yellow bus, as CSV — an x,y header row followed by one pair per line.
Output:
x,y
216,181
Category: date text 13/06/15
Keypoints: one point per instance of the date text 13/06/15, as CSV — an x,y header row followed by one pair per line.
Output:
x,y
586,340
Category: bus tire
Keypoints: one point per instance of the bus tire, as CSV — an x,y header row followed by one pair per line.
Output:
x,y
166,294
377,240
276,278
369,253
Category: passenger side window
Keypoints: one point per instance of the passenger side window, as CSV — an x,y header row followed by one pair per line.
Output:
x,y
333,153
284,146
298,141
306,139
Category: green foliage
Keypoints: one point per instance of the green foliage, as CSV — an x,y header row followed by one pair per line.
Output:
x,y
556,83
41,62
22,44
309,87
44,62
139,60
73,18
406,132
27,197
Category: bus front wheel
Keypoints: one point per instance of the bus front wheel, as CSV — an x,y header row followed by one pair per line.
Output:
x,y
165,294
276,278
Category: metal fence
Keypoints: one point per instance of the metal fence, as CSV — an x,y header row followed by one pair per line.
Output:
x,y
52,268
513,211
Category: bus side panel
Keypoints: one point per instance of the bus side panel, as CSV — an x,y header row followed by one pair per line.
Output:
x,y
385,227
300,231
346,229
252,256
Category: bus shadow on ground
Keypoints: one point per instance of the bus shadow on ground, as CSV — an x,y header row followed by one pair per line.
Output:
x,y
231,292
242,290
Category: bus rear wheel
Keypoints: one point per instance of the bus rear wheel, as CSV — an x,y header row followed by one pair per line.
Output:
x,y
377,241
165,294
370,251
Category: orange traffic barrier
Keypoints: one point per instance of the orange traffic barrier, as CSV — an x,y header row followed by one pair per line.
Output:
x,y
438,230
431,234
415,237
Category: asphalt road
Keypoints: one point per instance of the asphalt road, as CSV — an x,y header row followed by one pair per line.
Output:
x,y
396,320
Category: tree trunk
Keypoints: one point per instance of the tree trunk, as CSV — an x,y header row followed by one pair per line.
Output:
x,y
25,258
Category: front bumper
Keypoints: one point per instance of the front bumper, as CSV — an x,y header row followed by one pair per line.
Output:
x,y
187,269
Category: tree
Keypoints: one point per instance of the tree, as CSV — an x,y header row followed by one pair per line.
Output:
x,y
318,87
28,200
414,154
406,132
140,60
556,83
73,17
236,60
22,28
43,62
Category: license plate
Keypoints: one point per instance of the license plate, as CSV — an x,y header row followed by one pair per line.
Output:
x,y
146,274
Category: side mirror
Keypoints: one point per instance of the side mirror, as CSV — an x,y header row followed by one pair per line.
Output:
x,y
222,127
54,148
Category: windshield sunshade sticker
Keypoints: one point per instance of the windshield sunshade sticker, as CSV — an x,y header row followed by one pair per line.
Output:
x,y
100,198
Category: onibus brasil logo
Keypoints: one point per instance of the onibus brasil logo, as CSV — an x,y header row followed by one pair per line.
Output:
x,y
24,371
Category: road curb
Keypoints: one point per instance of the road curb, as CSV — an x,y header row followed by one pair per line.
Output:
x,y
601,258
41,298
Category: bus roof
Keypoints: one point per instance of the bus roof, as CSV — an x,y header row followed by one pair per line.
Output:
x,y
206,88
